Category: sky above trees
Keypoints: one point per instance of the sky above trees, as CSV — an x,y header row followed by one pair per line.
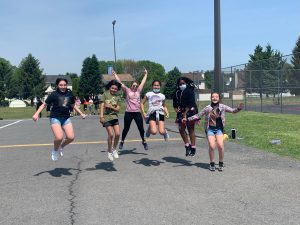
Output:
x,y
61,34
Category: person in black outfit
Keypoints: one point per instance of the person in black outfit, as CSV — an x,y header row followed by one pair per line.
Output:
x,y
185,106
38,104
62,101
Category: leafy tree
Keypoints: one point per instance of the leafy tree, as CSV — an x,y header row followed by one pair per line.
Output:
x,y
171,85
90,82
155,72
6,71
294,78
31,78
208,79
263,70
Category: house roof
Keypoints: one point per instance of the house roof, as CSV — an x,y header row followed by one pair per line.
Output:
x,y
122,76
194,76
51,79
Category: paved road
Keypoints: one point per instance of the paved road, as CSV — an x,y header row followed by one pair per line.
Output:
x,y
158,186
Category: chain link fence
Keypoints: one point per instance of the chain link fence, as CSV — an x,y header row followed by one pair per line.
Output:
x,y
271,85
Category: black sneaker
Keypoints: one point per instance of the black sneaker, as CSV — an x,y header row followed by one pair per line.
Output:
x,y
121,145
193,151
187,150
145,145
212,166
221,166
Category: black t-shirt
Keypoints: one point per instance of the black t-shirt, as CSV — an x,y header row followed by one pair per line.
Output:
x,y
61,103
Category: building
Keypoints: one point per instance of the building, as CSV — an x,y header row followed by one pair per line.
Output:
x,y
197,78
124,77
51,79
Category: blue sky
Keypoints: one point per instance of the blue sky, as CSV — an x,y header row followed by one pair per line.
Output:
x,y
62,33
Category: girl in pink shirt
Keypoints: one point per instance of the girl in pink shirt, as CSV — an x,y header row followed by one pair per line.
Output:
x,y
132,112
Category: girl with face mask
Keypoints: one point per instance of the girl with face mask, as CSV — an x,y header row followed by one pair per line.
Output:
x,y
133,108
214,126
157,111
185,105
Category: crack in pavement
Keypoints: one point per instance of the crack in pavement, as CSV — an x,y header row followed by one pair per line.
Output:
x,y
72,193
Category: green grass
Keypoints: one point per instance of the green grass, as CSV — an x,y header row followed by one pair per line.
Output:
x,y
256,129
17,113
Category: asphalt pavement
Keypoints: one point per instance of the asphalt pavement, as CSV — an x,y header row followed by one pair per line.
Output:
x,y
158,186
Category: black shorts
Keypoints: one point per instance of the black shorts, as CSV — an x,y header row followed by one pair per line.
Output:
x,y
111,123
193,111
152,116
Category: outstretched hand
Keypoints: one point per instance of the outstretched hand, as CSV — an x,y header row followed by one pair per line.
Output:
x,y
241,105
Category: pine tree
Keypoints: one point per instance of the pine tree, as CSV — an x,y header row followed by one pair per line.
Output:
x,y
31,78
171,85
294,78
91,79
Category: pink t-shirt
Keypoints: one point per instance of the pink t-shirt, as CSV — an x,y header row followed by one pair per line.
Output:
x,y
133,99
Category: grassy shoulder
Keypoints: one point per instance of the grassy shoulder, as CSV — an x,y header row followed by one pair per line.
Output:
x,y
258,129
255,129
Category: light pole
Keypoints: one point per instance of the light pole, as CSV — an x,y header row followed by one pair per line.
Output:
x,y
113,23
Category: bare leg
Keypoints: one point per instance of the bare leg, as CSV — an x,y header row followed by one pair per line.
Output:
x,y
220,145
58,135
211,147
69,134
161,127
152,127
183,133
110,134
116,129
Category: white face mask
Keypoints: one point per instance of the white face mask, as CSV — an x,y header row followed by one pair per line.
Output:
x,y
182,87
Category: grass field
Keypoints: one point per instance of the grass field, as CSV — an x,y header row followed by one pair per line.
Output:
x,y
254,129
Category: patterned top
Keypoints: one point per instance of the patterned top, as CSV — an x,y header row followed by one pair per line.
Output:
x,y
210,114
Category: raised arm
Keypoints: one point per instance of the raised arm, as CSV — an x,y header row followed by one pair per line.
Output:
x,y
118,78
234,110
144,79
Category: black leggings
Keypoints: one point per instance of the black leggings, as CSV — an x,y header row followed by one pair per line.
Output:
x,y
129,116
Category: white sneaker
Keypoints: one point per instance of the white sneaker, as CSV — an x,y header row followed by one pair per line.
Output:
x,y
110,156
55,155
61,152
115,153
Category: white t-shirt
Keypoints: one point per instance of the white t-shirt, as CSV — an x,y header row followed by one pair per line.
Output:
x,y
155,101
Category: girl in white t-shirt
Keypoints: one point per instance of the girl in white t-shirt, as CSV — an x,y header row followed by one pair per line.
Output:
x,y
157,111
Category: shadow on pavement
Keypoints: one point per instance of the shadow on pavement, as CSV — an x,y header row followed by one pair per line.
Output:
x,y
148,162
107,166
58,172
184,162
131,151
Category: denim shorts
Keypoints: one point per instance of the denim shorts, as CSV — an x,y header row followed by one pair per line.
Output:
x,y
61,121
212,131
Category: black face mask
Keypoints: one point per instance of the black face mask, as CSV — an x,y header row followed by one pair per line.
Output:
x,y
214,104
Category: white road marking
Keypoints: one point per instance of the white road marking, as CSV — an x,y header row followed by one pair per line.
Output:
x,y
7,125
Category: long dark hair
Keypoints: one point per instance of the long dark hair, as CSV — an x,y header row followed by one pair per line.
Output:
x,y
59,80
188,81
112,82
156,81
